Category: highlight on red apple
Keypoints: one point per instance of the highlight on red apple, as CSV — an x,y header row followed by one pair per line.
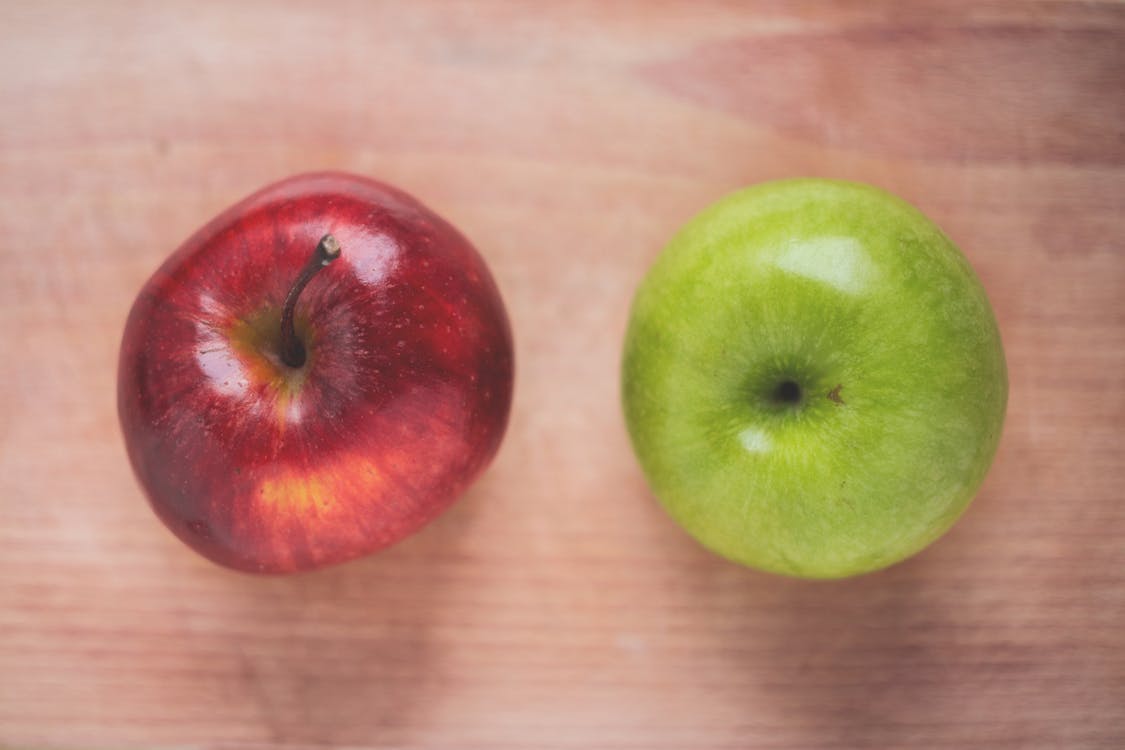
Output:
x,y
813,379
314,375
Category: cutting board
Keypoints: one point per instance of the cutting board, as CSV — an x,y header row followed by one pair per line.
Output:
x,y
556,606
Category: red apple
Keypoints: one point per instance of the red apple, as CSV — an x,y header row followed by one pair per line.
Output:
x,y
276,443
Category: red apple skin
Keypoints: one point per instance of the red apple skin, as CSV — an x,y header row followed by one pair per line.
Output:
x,y
401,404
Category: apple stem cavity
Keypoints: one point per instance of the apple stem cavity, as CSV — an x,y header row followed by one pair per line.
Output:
x,y
292,348
787,392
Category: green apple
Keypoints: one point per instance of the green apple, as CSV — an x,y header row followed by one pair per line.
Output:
x,y
813,379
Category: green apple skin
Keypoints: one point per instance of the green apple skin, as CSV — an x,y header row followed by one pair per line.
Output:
x,y
897,379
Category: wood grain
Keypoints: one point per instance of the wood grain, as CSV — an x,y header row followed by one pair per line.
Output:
x,y
556,606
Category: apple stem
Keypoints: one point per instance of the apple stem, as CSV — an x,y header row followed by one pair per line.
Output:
x,y
292,348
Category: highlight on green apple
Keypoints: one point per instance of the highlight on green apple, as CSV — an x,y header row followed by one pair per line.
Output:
x,y
813,379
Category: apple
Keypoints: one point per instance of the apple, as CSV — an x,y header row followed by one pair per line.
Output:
x,y
813,379
314,375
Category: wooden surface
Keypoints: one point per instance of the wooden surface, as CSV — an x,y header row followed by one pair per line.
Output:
x,y
556,606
